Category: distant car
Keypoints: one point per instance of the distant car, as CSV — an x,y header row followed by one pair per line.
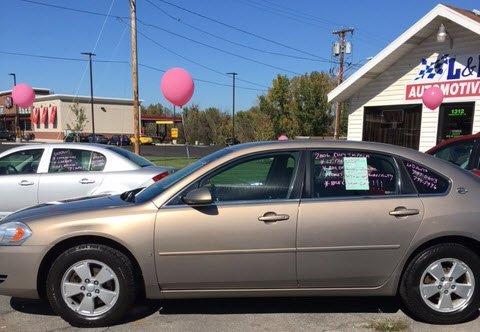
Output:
x,y
7,135
463,151
73,137
35,174
97,138
144,139
119,140
231,141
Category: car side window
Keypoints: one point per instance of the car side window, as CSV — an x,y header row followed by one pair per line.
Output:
x,y
425,180
21,162
457,153
267,177
76,160
349,173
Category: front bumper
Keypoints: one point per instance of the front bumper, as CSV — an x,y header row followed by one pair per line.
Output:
x,y
19,269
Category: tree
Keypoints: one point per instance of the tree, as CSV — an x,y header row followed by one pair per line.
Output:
x,y
299,106
253,125
80,120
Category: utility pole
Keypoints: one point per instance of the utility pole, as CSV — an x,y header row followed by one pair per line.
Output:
x,y
134,65
90,54
340,50
17,131
233,104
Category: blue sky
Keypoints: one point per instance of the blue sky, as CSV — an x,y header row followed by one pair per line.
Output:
x,y
305,25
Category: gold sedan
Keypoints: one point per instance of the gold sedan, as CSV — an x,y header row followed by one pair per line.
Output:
x,y
292,218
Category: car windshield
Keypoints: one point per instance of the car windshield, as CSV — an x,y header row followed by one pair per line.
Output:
x,y
157,188
135,158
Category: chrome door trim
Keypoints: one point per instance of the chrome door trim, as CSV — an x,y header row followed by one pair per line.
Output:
x,y
228,252
349,248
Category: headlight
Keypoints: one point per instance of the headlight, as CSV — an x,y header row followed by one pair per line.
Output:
x,y
14,233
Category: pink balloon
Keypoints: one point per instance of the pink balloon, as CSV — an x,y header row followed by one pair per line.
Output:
x,y
177,86
23,95
432,97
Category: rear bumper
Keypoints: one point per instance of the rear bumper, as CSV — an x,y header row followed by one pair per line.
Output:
x,y
18,270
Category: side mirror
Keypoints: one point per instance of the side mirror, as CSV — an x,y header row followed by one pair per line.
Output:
x,y
200,196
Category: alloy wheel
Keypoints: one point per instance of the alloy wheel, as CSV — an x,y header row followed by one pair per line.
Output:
x,y
90,288
447,285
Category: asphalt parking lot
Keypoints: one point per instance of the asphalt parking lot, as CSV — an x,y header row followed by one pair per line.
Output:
x,y
272,314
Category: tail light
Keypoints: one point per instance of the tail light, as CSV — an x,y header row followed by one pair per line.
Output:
x,y
476,172
160,176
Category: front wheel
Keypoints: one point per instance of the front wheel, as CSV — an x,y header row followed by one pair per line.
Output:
x,y
91,285
441,284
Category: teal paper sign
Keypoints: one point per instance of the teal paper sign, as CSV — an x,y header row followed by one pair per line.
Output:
x,y
355,172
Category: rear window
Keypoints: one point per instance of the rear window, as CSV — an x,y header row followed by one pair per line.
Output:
x,y
457,153
76,160
351,173
425,180
135,158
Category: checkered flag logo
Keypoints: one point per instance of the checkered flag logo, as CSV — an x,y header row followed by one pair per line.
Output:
x,y
431,69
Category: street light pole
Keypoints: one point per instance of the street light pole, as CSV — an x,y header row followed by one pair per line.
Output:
x,y
90,54
17,132
233,104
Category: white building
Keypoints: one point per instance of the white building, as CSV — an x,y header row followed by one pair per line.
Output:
x,y
384,96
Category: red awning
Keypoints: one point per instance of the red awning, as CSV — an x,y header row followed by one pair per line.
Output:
x,y
44,115
52,115
34,115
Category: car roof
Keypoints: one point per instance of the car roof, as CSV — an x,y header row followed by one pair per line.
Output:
x,y
463,138
89,146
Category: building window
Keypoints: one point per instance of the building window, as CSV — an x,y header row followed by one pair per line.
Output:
x,y
455,119
398,125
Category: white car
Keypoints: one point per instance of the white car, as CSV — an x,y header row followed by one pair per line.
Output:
x,y
41,173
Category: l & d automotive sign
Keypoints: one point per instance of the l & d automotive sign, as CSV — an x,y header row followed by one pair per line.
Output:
x,y
457,76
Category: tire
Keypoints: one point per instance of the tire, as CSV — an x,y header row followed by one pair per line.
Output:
x,y
419,282
96,257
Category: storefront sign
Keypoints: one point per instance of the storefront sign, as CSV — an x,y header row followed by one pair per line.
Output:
x,y
457,76
174,132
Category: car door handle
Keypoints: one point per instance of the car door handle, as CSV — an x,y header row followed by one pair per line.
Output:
x,y
86,181
402,211
25,183
273,217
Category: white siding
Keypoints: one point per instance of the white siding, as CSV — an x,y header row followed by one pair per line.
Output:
x,y
388,88
476,119
428,129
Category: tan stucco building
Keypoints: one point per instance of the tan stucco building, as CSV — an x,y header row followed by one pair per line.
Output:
x,y
384,97
51,115
112,115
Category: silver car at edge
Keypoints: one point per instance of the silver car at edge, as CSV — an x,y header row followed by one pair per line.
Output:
x,y
296,218
40,173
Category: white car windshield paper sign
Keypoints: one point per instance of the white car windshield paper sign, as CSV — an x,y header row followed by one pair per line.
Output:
x,y
355,173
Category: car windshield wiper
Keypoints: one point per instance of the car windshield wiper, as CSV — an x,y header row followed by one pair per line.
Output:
x,y
129,196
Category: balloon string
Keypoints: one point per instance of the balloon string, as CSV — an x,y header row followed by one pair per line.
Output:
x,y
185,133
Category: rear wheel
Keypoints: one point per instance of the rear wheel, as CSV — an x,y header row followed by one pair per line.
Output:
x,y
91,285
441,284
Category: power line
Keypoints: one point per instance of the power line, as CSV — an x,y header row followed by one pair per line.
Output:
x,y
219,49
122,18
191,60
280,13
65,8
181,21
51,57
241,30
322,20
93,51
